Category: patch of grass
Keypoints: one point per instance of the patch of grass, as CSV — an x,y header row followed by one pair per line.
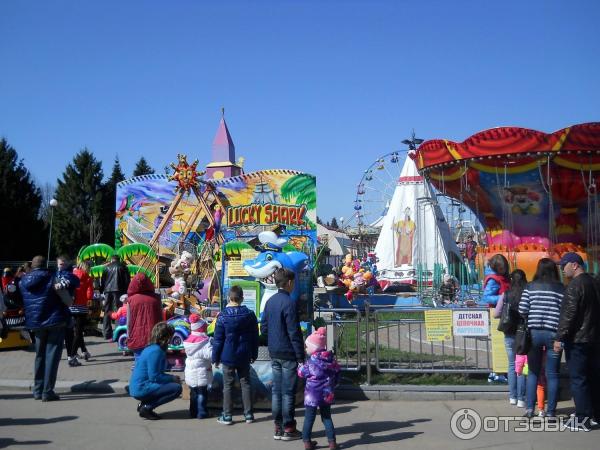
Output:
x,y
349,344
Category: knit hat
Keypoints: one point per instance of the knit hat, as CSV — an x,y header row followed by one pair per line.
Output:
x,y
317,341
197,323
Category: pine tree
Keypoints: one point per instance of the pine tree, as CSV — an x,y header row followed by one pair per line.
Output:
x,y
110,201
22,232
319,221
142,168
334,224
80,204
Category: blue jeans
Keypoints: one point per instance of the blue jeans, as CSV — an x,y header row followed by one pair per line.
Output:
x,y
516,383
310,414
164,394
541,339
48,350
583,360
198,398
285,381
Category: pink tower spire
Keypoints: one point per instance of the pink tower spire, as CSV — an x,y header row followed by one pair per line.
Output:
x,y
223,153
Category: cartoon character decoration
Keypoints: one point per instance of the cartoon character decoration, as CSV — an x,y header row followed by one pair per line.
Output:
x,y
405,232
179,270
215,229
522,200
271,258
185,174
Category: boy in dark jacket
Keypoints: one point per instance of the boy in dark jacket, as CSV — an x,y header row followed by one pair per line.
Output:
x,y
235,344
281,326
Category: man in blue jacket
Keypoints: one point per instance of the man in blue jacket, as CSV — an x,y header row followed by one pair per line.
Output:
x,y
281,326
235,344
46,315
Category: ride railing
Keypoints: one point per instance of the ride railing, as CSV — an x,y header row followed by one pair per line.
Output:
x,y
400,345
394,339
345,335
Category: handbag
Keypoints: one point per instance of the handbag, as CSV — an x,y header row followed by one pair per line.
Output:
x,y
522,338
505,322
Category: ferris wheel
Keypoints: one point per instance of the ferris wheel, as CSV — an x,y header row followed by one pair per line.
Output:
x,y
375,190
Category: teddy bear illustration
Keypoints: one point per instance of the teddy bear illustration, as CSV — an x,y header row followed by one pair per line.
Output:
x,y
179,270
523,201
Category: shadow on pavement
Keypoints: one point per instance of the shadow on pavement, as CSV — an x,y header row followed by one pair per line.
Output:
x,y
7,442
10,422
368,429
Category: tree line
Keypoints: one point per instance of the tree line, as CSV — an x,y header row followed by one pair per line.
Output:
x,y
84,214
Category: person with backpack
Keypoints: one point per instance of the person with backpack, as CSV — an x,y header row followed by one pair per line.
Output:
x,y
507,310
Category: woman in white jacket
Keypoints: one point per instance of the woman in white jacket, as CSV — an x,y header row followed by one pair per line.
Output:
x,y
198,366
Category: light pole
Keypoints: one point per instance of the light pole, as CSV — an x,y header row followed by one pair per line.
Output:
x,y
53,204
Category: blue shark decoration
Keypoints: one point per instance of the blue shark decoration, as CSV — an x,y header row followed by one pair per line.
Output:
x,y
270,259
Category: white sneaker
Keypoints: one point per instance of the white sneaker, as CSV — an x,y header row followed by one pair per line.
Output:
x,y
542,413
521,404
513,401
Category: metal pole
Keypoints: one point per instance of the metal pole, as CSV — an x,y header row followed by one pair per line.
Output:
x,y
368,341
50,236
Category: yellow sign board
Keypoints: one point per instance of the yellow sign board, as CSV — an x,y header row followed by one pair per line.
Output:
x,y
499,356
438,325
235,269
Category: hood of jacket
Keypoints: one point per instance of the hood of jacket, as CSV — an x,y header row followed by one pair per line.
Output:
x,y
195,342
324,359
140,284
36,279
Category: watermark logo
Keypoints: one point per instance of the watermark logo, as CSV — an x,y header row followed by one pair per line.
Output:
x,y
467,423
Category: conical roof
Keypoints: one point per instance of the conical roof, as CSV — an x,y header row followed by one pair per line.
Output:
x,y
414,230
223,149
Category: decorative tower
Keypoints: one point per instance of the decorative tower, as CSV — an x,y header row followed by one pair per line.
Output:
x,y
223,154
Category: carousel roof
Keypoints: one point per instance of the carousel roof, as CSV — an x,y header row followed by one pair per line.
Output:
x,y
577,145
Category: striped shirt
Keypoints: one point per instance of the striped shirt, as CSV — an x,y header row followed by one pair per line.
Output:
x,y
541,303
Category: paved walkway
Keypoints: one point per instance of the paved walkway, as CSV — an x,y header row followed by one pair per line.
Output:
x,y
90,420
84,421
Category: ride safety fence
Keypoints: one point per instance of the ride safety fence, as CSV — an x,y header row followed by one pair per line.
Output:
x,y
395,339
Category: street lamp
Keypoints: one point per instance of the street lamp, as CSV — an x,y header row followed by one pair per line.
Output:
x,y
53,204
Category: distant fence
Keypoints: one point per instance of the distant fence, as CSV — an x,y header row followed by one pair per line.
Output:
x,y
394,340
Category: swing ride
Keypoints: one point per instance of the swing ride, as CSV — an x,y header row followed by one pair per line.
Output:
x,y
534,193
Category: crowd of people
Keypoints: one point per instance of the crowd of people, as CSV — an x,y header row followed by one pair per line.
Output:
x,y
542,318
233,349
56,302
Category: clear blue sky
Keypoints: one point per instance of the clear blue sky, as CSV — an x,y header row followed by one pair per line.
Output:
x,y
323,87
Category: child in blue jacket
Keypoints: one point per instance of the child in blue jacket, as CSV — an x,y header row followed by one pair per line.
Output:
x,y
235,345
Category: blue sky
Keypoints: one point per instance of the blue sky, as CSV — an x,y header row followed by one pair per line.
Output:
x,y
320,86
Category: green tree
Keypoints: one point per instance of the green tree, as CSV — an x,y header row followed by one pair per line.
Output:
x,y
334,225
109,202
142,168
22,232
78,215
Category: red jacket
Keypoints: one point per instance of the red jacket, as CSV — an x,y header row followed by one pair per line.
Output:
x,y
145,311
85,292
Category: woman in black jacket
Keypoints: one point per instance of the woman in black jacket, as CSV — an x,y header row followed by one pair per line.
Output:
x,y
507,309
